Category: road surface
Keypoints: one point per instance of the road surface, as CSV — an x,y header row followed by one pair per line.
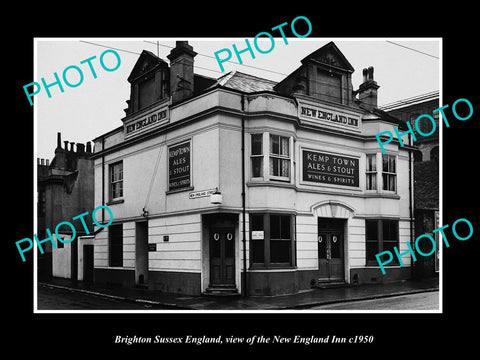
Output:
x,y
421,301
50,298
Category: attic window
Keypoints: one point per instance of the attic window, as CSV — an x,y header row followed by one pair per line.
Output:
x,y
328,85
146,92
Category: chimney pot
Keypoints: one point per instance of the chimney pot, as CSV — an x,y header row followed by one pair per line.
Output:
x,y
66,145
80,148
370,73
42,161
89,147
71,145
59,140
47,162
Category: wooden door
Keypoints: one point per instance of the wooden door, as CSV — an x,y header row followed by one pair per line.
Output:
x,y
222,256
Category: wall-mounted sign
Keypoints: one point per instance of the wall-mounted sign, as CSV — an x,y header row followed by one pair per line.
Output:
x,y
328,168
201,193
257,235
179,166
327,116
147,121
152,247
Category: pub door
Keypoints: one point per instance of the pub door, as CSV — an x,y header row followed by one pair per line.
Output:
x,y
330,256
222,256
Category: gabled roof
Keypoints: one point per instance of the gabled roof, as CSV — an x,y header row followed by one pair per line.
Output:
x,y
147,61
330,55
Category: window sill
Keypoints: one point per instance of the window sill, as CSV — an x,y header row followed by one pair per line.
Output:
x,y
272,268
115,201
276,183
190,188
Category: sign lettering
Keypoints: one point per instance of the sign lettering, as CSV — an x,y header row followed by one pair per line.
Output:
x,y
335,117
179,166
326,168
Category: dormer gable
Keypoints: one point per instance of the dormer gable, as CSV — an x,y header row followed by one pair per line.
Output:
x,y
329,56
325,74
149,82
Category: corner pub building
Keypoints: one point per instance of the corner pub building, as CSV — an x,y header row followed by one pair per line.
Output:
x,y
241,185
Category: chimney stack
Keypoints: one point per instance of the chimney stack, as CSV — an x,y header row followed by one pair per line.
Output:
x,y
181,71
59,140
367,91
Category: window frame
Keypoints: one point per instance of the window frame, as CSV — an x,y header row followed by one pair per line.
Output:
x,y
256,156
267,262
111,182
371,172
379,225
281,158
388,174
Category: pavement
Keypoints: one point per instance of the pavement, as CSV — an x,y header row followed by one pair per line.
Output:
x,y
302,300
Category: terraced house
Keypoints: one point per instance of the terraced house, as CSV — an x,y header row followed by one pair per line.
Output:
x,y
242,185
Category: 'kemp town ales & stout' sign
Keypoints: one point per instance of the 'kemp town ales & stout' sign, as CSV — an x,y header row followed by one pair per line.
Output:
x,y
319,167
179,166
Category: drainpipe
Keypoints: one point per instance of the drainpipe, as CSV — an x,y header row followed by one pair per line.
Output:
x,y
410,190
244,241
103,179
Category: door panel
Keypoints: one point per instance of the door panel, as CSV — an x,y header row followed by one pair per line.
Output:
x,y
330,256
222,256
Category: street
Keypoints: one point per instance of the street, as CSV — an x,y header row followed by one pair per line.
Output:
x,y
420,301
50,298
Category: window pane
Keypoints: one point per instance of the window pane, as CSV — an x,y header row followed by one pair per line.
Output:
x,y
388,246
257,144
391,164
285,167
258,251
280,251
284,147
275,227
371,181
385,162
371,229
256,222
275,144
257,166
372,250
285,227
390,230
372,162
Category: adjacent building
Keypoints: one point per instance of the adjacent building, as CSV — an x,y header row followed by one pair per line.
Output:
x,y
242,185
426,172
65,189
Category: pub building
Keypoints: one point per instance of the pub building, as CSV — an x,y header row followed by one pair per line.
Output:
x,y
242,185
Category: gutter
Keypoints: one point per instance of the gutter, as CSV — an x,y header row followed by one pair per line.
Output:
x,y
244,240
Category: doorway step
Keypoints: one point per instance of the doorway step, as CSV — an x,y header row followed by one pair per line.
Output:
x,y
222,290
327,284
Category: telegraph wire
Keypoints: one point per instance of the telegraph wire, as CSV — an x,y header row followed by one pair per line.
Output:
x,y
406,47
110,47
250,66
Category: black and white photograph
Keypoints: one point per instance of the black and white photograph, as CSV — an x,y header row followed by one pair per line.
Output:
x,y
233,191
256,183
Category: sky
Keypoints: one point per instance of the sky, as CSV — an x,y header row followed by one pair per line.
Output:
x,y
97,105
